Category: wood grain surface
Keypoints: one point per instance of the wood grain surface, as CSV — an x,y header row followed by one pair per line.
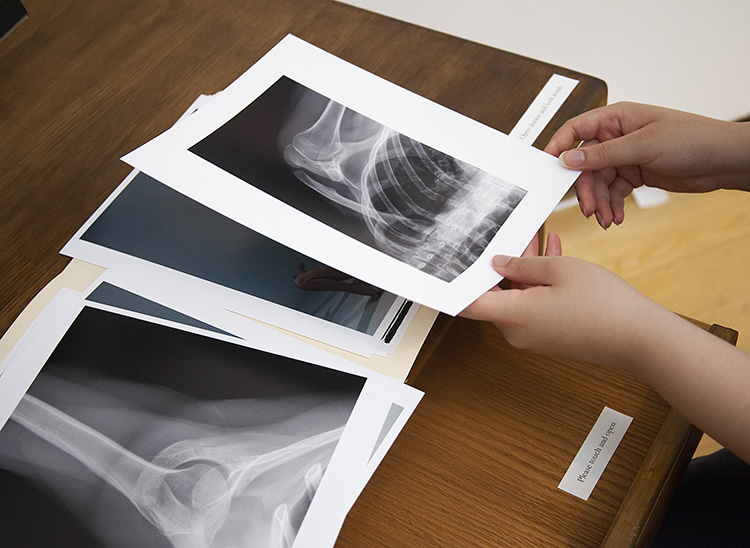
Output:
x,y
491,440
83,83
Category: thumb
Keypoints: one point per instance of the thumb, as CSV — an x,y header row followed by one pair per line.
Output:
x,y
525,270
621,151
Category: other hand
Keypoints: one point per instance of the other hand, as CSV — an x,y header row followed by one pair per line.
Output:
x,y
569,308
627,145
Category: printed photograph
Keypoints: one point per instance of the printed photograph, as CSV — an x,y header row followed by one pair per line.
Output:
x,y
118,298
135,434
151,221
409,201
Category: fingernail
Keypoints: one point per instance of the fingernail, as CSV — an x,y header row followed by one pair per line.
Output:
x,y
573,158
583,210
500,261
600,220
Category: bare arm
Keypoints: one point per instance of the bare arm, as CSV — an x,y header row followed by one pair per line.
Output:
x,y
574,309
627,145
704,378
570,308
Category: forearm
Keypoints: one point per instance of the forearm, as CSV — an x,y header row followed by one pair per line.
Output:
x,y
573,309
703,377
720,151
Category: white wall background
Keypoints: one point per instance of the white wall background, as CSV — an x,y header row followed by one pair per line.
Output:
x,y
690,55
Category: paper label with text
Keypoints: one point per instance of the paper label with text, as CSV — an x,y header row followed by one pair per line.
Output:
x,y
594,455
543,108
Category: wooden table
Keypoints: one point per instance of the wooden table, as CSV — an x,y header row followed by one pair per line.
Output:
x,y
83,83
479,462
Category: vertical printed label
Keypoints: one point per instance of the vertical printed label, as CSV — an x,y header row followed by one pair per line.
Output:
x,y
594,455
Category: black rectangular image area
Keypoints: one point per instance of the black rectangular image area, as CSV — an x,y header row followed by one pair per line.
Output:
x,y
151,221
135,434
386,190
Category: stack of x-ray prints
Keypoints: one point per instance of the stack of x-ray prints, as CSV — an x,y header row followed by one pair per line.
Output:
x,y
168,404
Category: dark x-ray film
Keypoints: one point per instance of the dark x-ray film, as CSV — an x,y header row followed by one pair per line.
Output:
x,y
145,224
153,222
135,434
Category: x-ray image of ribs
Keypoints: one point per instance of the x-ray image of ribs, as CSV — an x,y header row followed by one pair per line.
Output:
x,y
421,206
199,492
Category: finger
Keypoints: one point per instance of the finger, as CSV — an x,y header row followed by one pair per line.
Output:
x,y
581,128
603,211
586,199
527,271
554,245
491,306
618,191
630,149
532,250
584,187
563,139
499,262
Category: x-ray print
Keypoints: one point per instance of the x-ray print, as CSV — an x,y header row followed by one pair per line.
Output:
x,y
136,435
416,204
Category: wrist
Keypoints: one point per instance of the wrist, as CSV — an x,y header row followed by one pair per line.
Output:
x,y
664,344
651,331
736,161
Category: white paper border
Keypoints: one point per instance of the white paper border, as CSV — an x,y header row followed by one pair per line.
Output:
x,y
167,159
351,465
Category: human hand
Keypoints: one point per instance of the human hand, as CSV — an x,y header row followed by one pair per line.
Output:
x,y
569,308
627,145
553,248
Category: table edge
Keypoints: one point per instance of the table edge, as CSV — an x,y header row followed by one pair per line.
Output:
x,y
656,481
